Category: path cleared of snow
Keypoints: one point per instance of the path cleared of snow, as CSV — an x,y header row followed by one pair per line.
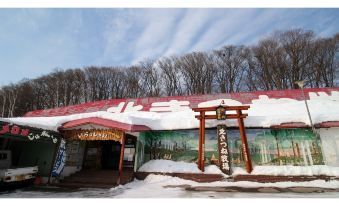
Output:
x,y
169,166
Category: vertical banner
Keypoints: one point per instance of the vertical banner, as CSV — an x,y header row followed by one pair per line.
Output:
x,y
60,159
224,157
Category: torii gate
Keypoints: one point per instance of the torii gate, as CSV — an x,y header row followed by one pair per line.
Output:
x,y
222,116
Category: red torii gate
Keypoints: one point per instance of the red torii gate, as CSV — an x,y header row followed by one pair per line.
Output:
x,y
239,115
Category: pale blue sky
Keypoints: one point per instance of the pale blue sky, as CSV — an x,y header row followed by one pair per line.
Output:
x,y
35,41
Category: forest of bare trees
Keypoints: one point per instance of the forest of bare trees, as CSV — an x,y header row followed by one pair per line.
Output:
x,y
275,62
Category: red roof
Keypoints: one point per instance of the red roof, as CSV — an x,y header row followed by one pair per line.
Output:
x,y
159,103
145,104
105,123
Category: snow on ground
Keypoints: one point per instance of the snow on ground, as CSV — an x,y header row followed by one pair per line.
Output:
x,y
291,170
264,112
153,187
170,166
176,167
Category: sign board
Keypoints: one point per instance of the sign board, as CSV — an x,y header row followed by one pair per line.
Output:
x,y
27,132
224,157
221,113
60,159
95,134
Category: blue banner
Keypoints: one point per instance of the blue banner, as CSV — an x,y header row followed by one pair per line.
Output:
x,y
60,160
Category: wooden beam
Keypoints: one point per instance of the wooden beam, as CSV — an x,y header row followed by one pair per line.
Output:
x,y
203,142
206,109
228,116
246,153
121,161
200,142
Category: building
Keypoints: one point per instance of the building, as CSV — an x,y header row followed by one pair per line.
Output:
x,y
127,133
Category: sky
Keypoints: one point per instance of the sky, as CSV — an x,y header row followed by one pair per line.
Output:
x,y
34,42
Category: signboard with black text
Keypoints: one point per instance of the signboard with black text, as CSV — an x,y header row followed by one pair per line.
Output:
x,y
224,157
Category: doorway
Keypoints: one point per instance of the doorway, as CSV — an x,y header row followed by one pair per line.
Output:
x,y
110,155
102,155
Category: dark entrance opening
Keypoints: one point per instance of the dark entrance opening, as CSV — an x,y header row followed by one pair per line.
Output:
x,y
110,155
102,155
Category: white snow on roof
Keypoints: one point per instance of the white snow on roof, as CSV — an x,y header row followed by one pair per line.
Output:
x,y
263,112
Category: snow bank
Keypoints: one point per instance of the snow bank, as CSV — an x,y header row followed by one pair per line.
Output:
x,y
153,187
290,170
170,166
262,113
168,180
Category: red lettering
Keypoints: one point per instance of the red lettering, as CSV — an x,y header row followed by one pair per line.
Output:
x,y
25,132
5,129
15,130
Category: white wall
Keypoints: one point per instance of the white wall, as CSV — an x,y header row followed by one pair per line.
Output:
x,y
330,145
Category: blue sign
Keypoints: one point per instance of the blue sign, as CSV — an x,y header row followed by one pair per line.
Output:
x,y
60,160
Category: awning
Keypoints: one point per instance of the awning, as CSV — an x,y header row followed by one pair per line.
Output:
x,y
105,123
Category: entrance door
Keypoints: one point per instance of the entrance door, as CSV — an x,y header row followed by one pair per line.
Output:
x,y
92,158
110,155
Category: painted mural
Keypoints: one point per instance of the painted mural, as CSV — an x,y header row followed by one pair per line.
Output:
x,y
267,146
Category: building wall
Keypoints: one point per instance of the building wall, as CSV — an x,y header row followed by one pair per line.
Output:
x,y
74,157
267,146
27,154
330,142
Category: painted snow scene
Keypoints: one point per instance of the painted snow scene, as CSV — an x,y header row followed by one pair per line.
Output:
x,y
169,103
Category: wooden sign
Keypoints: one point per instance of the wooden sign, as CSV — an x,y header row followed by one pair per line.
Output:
x,y
221,113
224,157
115,135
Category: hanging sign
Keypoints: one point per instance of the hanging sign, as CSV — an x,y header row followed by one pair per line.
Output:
x,y
95,134
14,130
30,134
224,158
36,136
60,159
221,113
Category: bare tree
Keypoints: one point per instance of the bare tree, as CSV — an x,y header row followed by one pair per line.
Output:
x,y
150,78
271,65
170,76
133,82
3,97
197,72
325,62
231,65
297,45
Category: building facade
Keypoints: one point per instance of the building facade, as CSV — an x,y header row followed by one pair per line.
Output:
x,y
127,133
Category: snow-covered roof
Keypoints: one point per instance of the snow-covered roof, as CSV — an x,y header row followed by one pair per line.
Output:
x,y
265,111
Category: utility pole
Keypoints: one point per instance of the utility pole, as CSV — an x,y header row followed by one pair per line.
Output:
x,y
317,135
301,85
